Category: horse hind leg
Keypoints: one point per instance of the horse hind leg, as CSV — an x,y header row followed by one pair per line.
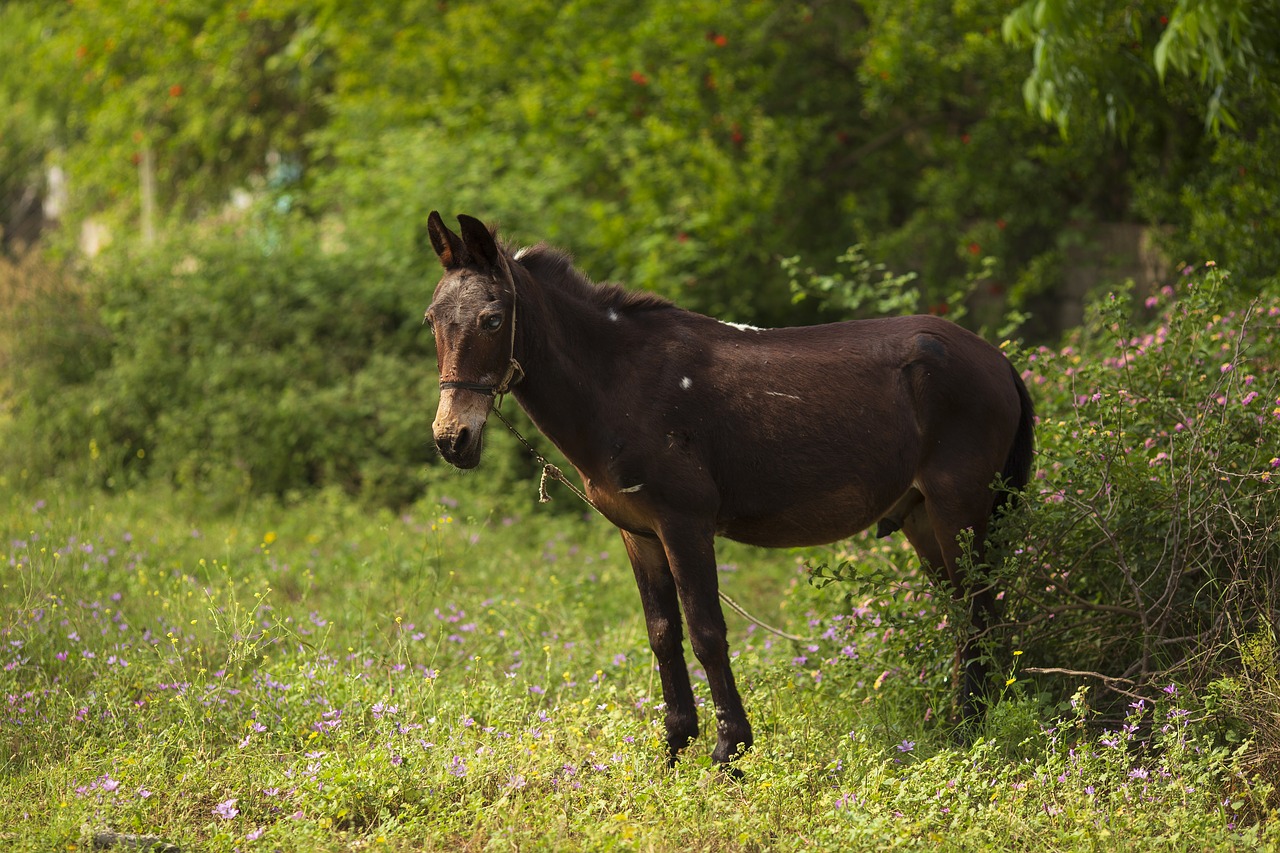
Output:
x,y
941,554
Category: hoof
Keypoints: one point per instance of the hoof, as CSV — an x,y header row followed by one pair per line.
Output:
x,y
731,772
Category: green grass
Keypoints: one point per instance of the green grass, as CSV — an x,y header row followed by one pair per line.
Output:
x,y
324,677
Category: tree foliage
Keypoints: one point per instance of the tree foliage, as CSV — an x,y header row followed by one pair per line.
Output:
x,y
1201,77
216,91
680,147
1099,59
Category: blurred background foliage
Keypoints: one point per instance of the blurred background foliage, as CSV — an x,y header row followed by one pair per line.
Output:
x,y
228,197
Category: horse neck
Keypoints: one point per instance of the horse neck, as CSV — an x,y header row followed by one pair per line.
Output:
x,y
565,349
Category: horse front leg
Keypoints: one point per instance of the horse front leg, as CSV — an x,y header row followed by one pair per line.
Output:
x,y
661,604
691,555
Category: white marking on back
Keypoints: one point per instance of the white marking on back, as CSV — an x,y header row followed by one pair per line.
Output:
x,y
742,327
686,383
780,394
631,489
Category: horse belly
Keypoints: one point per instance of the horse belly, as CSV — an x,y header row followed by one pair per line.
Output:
x,y
834,516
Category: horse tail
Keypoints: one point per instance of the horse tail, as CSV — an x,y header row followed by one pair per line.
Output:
x,y
1017,465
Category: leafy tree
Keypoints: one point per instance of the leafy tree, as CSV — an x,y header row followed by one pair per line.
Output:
x,y
684,149
212,93
638,136
1100,59
1201,78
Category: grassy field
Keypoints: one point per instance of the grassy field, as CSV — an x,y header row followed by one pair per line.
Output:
x,y
324,677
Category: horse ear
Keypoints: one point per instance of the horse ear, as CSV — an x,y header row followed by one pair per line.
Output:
x,y
449,246
480,242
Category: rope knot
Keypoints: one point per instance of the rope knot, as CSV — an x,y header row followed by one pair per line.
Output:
x,y
552,472
543,497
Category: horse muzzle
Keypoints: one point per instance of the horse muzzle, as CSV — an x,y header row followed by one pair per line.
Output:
x,y
459,434
460,447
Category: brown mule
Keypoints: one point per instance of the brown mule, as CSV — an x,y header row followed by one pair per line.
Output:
x,y
684,428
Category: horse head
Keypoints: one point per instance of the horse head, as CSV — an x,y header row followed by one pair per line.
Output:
x,y
472,316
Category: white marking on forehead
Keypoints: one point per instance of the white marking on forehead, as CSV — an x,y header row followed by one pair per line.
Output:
x,y
686,383
612,315
780,394
523,250
632,489
742,327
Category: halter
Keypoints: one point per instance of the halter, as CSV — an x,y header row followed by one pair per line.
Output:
x,y
512,376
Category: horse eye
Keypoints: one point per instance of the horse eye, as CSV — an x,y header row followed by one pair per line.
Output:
x,y
492,322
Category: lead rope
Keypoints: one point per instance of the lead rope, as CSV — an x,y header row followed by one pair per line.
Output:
x,y
551,472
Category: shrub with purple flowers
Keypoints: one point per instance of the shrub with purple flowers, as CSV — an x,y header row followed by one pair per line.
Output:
x,y
1149,537
1147,549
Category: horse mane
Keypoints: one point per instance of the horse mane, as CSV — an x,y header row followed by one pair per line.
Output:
x,y
555,267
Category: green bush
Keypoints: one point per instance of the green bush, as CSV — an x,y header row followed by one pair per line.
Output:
x,y
52,345
230,367
1147,551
